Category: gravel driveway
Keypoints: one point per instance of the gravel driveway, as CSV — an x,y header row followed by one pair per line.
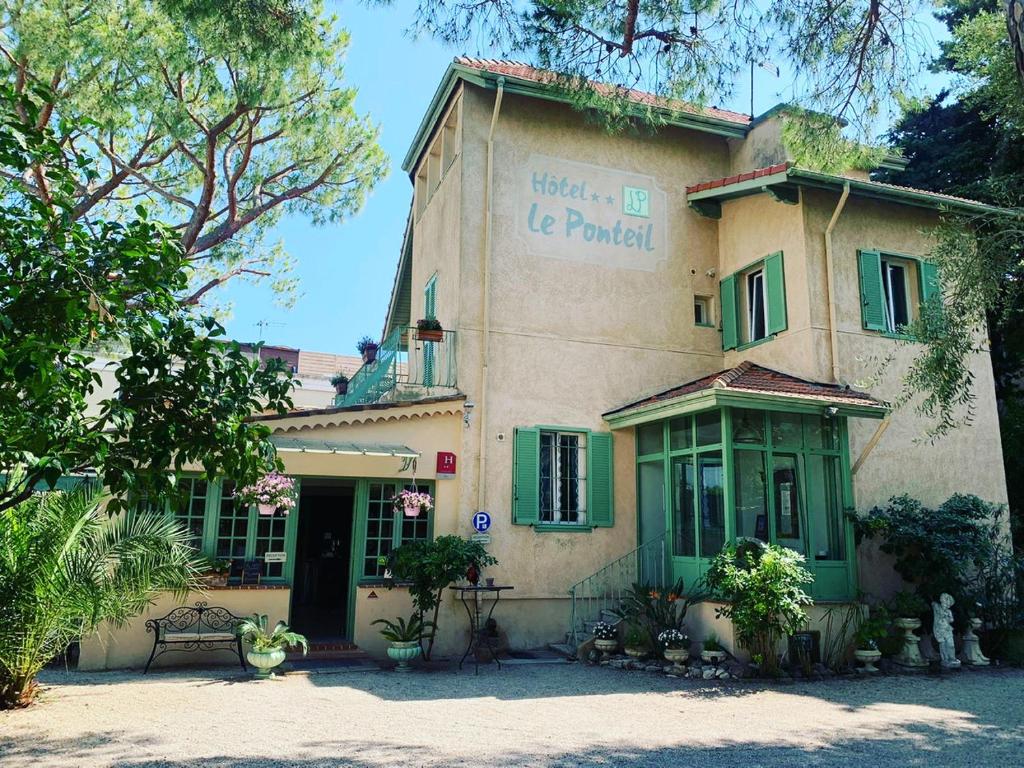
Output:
x,y
536,715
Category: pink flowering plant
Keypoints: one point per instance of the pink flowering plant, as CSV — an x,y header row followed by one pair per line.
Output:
x,y
272,490
413,500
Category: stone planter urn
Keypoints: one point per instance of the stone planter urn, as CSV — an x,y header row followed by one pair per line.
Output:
x,y
403,653
635,653
971,653
868,657
910,655
606,647
677,656
265,661
713,657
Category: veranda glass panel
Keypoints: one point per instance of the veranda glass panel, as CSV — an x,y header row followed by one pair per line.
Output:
x,y
683,512
680,433
786,490
751,495
651,479
821,432
650,438
824,507
709,428
787,429
748,426
712,503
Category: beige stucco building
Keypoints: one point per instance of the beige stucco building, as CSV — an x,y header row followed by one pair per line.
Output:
x,y
657,339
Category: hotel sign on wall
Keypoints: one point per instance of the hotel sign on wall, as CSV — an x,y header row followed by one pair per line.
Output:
x,y
592,214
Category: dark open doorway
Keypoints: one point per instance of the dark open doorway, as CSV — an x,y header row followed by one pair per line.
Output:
x,y
323,556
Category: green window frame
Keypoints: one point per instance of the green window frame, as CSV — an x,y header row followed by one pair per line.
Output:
x,y
593,474
754,303
799,497
877,300
222,530
386,528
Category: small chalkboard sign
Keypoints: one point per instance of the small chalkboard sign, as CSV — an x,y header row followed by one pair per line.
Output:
x,y
252,570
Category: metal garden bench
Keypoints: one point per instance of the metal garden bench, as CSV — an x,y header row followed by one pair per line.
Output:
x,y
195,628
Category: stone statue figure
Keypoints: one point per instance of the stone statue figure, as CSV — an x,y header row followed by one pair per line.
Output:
x,y
942,630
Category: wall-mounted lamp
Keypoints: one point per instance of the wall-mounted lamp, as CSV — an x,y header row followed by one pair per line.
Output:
x,y
831,411
467,407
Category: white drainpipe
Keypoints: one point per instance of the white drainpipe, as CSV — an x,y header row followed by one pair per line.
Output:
x,y
481,499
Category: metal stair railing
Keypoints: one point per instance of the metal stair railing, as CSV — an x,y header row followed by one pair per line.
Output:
x,y
605,589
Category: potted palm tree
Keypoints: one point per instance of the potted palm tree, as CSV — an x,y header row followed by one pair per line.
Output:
x,y
367,347
429,329
340,383
405,637
268,646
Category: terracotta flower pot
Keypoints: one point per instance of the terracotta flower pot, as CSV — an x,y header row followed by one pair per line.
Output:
x,y
426,335
370,354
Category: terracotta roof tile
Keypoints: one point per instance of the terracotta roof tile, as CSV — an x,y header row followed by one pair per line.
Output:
x,y
524,71
750,377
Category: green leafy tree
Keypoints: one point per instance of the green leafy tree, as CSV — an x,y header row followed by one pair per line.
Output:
x,y
66,567
762,585
219,115
70,286
429,567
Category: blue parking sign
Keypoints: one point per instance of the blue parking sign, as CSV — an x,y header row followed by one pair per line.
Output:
x,y
481,521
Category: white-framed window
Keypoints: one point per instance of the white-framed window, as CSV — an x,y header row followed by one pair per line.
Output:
x,y
563,477
896,286
702,310
757,307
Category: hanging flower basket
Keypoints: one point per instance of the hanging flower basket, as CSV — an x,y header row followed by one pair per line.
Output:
x,y
271,494
413,503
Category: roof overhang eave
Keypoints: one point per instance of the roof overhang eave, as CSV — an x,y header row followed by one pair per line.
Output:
x,y
523,87
798,177
736,398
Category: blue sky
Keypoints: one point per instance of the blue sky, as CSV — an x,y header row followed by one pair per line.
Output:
x,y
345,271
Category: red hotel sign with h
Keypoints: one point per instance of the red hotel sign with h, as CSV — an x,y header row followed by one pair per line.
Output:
x,y
445,464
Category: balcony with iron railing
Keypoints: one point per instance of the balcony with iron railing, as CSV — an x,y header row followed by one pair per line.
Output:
x,y
411,364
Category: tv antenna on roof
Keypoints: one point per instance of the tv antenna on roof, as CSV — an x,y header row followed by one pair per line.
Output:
x,y
264,324
768,67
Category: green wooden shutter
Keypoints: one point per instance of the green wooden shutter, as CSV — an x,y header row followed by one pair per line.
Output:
x,y
600,507
775,293
526,476
930,284
872,297
730,329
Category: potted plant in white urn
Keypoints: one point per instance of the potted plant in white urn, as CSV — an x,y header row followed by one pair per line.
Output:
x,y
405,637
268,647
677,647
635,643
606,638
872,629
712,651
